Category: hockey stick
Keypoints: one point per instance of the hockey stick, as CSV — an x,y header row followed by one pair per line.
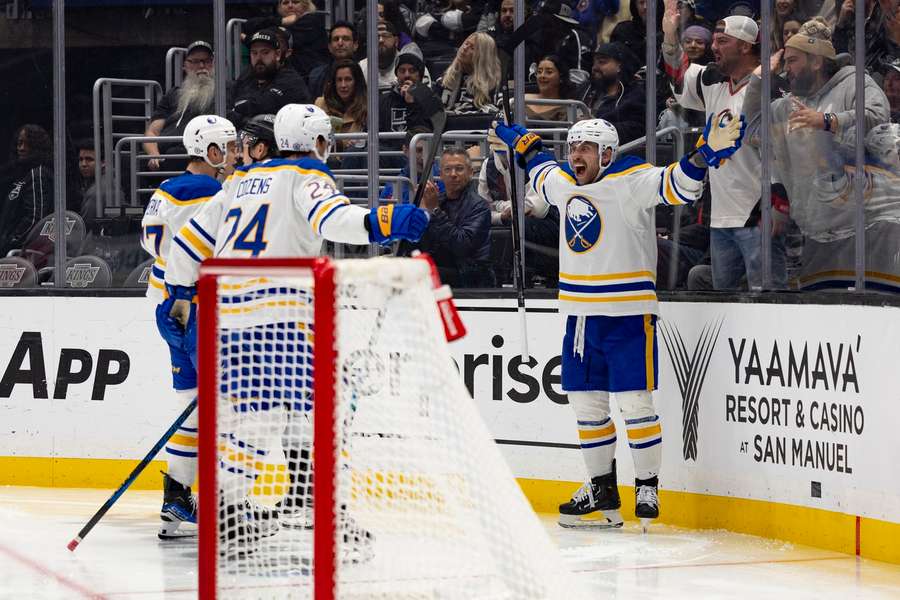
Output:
x,y
432,106
518,262
137,471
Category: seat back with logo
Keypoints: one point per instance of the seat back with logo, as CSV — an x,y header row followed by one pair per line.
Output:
x,y
16,272
88,271
40,243
139,276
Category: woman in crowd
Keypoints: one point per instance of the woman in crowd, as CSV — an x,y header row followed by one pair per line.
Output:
x,y
471,83
26,187
633,33
345,98
784,10
553,84
790,27
696,41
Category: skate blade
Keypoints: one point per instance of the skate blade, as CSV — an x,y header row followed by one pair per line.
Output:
x,y
175,533
645,524
609,519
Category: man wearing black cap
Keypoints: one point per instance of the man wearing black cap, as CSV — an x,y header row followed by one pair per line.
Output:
x,y
614,95
268,84
195,96
397,110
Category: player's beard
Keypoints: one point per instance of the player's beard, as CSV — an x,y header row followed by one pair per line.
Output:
x,y
196,95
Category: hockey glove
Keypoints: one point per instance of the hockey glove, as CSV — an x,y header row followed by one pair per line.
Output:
x,y
394,222
181,308
721,138
521,141
170,330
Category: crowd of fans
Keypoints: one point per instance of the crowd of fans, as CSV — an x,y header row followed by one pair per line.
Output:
x,y
593,52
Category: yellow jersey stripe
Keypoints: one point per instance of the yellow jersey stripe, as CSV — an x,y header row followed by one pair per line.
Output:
x,y
187,202
323,210
199,245
571,179
638,298
290,168
160,261
587,434
184,440
608,276
648,351
644,432
633,169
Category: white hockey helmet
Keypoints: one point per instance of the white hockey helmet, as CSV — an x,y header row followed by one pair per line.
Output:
x,y
598,131
299,126
206,130
883,143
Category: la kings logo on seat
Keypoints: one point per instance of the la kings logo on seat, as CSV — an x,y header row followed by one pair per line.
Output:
x,y
145,276
11,275
690,372
49,228
81,275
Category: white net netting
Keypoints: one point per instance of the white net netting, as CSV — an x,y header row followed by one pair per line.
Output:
x,y
426,506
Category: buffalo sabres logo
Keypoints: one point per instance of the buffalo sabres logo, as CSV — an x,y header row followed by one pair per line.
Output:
x,y
583,224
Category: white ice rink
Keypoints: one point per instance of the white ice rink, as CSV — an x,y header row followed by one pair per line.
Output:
x,y
122,558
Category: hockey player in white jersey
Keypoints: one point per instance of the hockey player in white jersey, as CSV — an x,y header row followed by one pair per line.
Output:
x,y
607,290
211,144
284,207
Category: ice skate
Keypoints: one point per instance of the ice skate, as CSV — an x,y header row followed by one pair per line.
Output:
x,y
356,540
179,511
296,507
646,503
595,505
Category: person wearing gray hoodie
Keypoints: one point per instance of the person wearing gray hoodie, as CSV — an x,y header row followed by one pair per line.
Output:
x,y
809,127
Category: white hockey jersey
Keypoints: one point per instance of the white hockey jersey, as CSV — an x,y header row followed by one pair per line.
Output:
x,y
171,206
607,241
734,186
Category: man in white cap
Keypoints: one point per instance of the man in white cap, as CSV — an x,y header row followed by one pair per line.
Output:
x,y
735,239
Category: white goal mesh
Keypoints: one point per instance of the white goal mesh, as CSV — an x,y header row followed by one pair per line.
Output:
x,y
425,506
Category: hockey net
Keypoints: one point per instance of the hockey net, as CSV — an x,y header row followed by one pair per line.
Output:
x,y
411,497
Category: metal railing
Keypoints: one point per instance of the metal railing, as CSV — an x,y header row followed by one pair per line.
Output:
x,y
575,111
106,134
174,67
233,47
135,188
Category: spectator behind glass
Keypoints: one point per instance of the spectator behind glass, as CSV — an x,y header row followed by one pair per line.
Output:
x,y
615,95
388,47
553,84
790,28
633,33
343,42
398,111
26,187
391,11
891,87
446,25
472,80
268,84
808,128
695,41
307,29
84,198
195,96
882,30
345,98
458,233
784,10
502,31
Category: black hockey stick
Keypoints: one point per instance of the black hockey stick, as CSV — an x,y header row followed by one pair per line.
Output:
x,y
137,471
518,262
432,106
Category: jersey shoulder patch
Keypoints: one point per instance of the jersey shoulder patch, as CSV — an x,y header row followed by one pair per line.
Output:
x,y
189,188
624,163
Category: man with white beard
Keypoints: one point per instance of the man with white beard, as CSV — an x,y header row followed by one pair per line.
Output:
x,y
195,96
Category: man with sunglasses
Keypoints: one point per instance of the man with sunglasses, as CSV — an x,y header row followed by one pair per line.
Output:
x,y
195,96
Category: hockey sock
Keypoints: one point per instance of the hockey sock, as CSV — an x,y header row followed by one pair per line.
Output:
x,y
243,454
644,432
181,449
596,431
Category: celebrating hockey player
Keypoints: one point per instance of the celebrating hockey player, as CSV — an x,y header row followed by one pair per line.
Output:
x,y
211,145
607,263
285,207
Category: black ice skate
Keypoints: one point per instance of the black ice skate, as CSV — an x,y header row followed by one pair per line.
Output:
x,y
296,506
357,541
179,511
646,501
243,525
595,505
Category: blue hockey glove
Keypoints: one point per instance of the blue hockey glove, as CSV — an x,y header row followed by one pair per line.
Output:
x,y
519,139
721,138
170,329
394,222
